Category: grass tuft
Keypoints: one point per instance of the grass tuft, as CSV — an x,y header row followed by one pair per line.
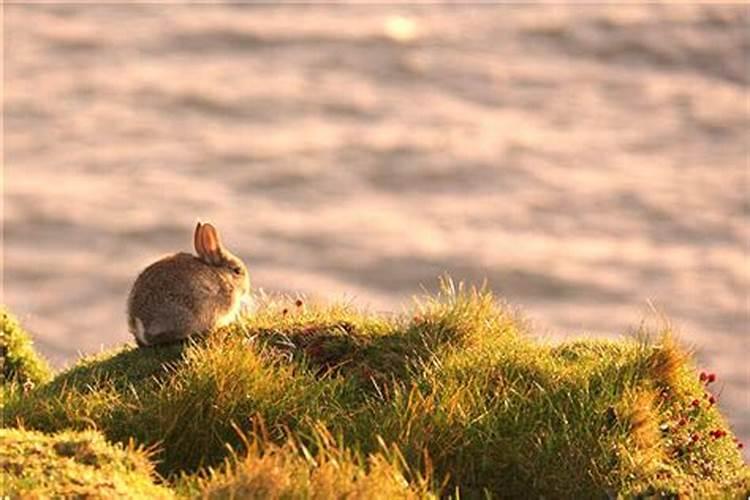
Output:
x,y
74,465
20,363
667,360
270,471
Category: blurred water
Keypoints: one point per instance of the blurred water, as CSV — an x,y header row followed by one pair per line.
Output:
x,y
585,160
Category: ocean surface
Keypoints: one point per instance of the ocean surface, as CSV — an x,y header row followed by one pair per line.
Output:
x,y
591,163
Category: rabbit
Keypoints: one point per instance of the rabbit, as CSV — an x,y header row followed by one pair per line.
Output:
x,y
182,294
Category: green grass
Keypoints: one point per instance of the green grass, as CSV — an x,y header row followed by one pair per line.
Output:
x,y
451,398
20,363
267,470
74,465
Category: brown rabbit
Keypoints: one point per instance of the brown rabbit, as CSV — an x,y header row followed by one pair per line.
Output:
x,y
182,294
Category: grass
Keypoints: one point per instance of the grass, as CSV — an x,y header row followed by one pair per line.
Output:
x,y
453,398
20,363
268,471
74,465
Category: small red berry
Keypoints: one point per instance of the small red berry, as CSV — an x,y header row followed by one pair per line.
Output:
x,y
682,422
298,302
740,445
703,377
711,400
711,378
695,437
695,403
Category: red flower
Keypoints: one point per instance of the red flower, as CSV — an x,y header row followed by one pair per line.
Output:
x,y
703,377
711,378
695,403
711,400
682,422
695,437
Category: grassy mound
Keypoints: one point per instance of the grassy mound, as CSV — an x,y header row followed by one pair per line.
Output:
x,y
457,387
73,465
21,364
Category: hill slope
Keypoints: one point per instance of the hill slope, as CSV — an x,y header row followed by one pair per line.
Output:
x,y
452,397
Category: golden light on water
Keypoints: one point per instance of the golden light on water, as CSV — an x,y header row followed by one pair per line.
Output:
x,y
400,28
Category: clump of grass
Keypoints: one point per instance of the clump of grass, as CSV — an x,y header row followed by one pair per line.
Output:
x,y
74,465
455,385
21,364
290,471
666,361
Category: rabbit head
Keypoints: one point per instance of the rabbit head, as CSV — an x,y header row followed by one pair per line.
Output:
x,y
211,251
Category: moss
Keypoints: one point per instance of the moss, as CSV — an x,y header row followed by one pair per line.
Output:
x,y
73,465
455,385
21,364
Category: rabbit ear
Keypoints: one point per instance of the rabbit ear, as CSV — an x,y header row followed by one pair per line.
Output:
x,y
197,240
211,244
